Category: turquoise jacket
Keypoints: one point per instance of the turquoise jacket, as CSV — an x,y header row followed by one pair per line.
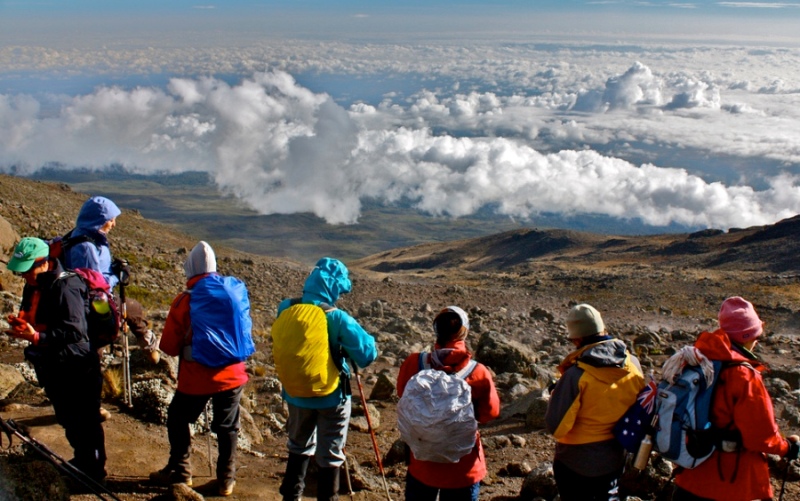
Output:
x,y
326,282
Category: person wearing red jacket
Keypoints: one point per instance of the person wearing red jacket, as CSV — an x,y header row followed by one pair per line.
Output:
x,y
461,480
197,384
740,403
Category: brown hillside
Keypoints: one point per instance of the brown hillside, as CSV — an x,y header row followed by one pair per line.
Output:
x,y
760,248
654,292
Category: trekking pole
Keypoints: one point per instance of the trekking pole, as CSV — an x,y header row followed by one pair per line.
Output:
x,y
208,441
371,430
10,427
347,476
127,396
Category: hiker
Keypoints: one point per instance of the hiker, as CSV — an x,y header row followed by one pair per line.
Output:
x,y
599,381
87,247
741,404
199,381
52,318
313,344
454,481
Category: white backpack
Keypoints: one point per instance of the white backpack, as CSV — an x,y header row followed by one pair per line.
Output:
x,y
435,414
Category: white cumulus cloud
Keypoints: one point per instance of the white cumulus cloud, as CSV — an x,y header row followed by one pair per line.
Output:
x,y
282,148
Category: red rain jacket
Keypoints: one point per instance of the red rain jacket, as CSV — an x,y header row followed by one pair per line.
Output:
x,y
471,468
741,401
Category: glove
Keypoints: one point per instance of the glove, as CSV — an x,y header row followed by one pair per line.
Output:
x,y
794,450
120,268
21,329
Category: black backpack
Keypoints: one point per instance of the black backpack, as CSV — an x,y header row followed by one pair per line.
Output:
x,y
102,313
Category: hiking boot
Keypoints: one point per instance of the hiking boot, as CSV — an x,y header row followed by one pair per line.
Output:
x,y
151,341
104,415
169,476
226,486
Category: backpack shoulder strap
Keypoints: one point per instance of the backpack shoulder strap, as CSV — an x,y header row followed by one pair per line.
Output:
x,y
423,361
326,307
467,370
65,275
68,240
299,300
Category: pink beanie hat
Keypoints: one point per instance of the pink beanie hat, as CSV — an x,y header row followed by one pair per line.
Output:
x,y
739,320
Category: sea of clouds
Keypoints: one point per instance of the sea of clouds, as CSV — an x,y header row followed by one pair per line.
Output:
x,y
695,136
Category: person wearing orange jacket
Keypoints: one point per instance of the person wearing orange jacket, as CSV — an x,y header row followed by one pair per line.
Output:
x,y
740,403
599,381
197,384
451,481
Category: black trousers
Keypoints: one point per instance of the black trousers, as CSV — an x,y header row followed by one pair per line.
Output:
x,y
185,409
573,486
73,388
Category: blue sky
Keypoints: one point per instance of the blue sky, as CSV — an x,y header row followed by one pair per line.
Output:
x,y
675,114
413,18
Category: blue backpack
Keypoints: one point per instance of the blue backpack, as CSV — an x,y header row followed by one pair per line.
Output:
x,y
221,325
684,433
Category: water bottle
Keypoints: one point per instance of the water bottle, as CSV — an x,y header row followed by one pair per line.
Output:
x,y
643,455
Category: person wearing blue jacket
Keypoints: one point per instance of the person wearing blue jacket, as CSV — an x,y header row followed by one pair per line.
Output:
x,y
317,425
87,246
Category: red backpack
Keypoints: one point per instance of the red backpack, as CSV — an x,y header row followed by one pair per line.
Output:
x,y
59,245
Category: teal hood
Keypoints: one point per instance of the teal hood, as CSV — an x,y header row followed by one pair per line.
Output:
x,y
327,281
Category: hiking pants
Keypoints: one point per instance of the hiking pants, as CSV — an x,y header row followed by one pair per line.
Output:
x,y
74,390
573,486
319,432
185,409
417,491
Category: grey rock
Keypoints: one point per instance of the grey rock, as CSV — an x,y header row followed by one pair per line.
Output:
x,y
10,378
384,388
539,483
503,354
16,472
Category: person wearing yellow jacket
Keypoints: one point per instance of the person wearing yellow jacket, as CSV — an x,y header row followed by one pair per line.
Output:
x,y
599,381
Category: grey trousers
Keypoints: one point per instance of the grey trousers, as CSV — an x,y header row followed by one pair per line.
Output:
x,y
319,432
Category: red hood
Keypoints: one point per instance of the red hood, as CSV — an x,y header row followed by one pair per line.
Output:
x,y
717,346
453,355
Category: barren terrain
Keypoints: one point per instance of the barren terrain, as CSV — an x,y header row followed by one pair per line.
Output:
x,y
520,284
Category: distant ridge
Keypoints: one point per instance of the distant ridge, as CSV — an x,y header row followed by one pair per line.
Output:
x,y
771,248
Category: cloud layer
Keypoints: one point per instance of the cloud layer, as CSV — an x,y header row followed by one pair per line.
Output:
x,y
282,148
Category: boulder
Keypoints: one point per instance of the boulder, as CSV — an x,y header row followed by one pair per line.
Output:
x,y
503,354
539,483
10,378
16,473
384,388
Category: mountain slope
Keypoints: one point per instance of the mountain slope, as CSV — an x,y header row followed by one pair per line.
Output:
x,y
762,248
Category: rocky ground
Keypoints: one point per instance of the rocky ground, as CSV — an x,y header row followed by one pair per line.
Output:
x,y
516,308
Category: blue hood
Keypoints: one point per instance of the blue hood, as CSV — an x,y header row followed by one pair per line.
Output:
x,y
95,212
327,281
